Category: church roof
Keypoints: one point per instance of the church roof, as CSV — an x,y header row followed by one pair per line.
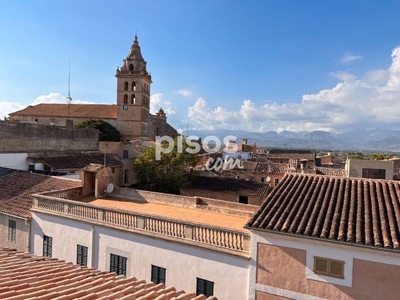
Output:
x,y
89,111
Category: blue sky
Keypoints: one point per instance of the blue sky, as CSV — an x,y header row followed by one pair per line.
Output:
x,y
252,65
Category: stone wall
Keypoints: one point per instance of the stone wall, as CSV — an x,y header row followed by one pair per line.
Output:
x,y
203,203
159,126
23,137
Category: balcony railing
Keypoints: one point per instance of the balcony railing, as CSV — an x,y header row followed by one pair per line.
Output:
x,y
218,238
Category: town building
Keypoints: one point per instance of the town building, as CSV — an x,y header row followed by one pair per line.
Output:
x,y
377,169
300,161
27,276
16,201
193,241
228,189
322,237
130,115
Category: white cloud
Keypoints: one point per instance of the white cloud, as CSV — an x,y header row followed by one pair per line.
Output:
x,y
57,98
184,93
372,101
344,76
349,57
8,107
157,101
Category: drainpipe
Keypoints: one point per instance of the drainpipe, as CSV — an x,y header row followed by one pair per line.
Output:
x,y
92,248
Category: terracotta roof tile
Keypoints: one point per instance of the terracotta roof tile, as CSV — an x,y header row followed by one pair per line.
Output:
x,y
16,191
291,154
86,283
87,111
77,161
349,210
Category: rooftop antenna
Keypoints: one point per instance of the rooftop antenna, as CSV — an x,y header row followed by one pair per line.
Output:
x,y
69,89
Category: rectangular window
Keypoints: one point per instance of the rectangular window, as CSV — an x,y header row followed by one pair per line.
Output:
x,y
374,173
329,267
12,230
113,170
204,287
158,274
125,154
276,181
47,246
81,255
243,199
118,264
262,179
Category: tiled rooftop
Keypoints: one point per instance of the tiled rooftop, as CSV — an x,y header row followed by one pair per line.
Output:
x,y
76,161
349,210
16,191
92,111
25,276
291,154
237,186
173,212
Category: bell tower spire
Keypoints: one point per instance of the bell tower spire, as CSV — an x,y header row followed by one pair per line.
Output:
x,y
133,95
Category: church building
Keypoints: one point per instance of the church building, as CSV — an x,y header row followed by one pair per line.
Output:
x,y
130,115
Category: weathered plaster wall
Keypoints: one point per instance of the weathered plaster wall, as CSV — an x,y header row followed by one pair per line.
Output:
x,y
23,137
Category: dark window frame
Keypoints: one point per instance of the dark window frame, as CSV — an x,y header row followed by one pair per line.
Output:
x,y
81,255
125,153
158,274
47,246
12,231
243,199
373,173
118,264
204,287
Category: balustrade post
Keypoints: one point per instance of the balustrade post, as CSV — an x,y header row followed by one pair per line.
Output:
x,y
140,222
65,208
246,243
100,214
35,202
188,232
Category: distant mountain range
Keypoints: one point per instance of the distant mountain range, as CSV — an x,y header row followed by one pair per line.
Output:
x,y
360,140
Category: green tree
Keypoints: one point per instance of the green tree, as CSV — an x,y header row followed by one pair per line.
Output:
x,y
168,174
108,133
380,156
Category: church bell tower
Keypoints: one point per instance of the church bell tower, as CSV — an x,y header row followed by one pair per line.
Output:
x,y
133,95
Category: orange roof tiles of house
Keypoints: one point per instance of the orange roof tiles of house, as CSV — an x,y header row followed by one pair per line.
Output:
x,y
92,111
291,154
354,211
26,276
16,191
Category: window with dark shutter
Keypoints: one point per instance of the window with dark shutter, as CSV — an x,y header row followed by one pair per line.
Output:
x,y
204,287
47,246
118,264
158,274
329,267
81,255
12,230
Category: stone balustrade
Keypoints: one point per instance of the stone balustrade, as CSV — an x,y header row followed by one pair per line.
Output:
x,y
217,238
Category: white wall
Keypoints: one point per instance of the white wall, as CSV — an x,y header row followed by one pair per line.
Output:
x,y
14,161
183,262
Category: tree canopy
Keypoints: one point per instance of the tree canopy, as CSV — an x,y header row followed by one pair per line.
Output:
x,y
108,133
168,174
